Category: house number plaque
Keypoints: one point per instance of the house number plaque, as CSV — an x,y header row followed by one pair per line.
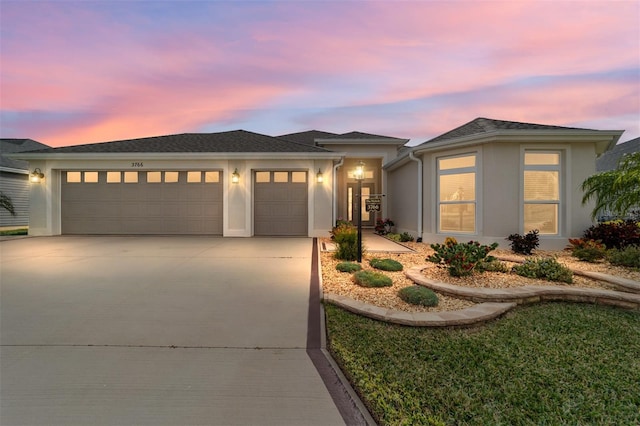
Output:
x,y
372,204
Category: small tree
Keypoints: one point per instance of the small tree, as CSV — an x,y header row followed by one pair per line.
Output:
x,y
7,204
615,190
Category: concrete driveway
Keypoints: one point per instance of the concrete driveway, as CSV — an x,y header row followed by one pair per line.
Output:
x,y
158,330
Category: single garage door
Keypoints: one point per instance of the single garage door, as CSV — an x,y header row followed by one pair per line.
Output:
x,y
280,203
142,202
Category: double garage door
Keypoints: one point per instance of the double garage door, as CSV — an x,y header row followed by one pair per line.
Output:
x,y
177,202
142,202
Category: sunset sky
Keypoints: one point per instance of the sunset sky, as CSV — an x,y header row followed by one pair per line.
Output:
x,y
89,71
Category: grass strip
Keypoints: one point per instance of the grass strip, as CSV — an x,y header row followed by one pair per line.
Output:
x,y
555,363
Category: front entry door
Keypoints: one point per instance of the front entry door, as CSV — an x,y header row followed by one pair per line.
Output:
x,y
368,218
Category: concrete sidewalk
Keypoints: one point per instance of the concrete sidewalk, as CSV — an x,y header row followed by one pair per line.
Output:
x,y
160,331
374,243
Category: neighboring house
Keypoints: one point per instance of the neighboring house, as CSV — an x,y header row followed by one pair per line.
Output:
x,y
481,181
609,161
14,180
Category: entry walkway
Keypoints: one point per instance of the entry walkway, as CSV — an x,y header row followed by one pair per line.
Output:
x,y
374,243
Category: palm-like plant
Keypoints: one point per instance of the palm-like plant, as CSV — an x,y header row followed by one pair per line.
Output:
x,y
7,204
617,191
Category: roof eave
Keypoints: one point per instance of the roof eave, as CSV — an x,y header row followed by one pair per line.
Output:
x,y
604,139
14,170
381,141
329,155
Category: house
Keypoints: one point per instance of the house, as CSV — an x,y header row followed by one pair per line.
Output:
x,y
609,160
482,181
14,180
234,184
489,178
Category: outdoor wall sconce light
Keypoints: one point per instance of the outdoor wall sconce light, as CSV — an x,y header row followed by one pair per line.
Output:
x,y
235,176
319,176
36,176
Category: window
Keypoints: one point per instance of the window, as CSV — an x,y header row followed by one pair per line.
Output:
x,y
298,177
74,177
114,177
368,174
171,177
194,177
541,191
457,194
212,177
263,177
91,177
154,177
130,177
281,177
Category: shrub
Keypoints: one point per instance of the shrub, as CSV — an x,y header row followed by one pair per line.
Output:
x,y
628,256
345,236
393,237
544,268
383,227
406,237
372,279
492,266
524,244
418,295
617,234
348,267
587,250
386,264
461,259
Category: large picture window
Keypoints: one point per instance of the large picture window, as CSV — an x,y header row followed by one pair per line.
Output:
x,y
457,194
542,191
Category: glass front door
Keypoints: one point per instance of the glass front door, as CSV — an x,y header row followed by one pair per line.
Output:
x,y
368,218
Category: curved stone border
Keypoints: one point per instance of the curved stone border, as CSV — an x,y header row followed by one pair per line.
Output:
x,y
622,283
527,294
468,316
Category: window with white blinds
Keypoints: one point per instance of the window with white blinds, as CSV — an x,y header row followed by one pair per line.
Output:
x,y
542,191
457,193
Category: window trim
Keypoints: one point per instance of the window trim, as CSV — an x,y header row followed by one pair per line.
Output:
x,y
476,202
561,168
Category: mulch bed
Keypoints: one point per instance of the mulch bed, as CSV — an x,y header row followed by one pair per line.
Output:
x,y
387,297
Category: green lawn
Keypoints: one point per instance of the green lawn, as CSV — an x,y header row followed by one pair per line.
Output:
x,y
553,364
10,232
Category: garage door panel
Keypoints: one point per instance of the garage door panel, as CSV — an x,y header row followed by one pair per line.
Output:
x,y
280,208
142,208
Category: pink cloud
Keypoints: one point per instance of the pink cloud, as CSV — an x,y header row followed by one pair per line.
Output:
x,y
104,74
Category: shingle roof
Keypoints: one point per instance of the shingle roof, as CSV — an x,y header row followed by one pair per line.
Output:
x,y
485,125
308,138
361,135
609,160
17,145
237,141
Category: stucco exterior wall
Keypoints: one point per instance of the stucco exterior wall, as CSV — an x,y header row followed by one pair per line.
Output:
x,y
500,189
238,201
582,166
500,192
403,198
